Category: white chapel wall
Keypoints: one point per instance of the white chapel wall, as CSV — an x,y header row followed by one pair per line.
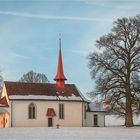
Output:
x,y
72,117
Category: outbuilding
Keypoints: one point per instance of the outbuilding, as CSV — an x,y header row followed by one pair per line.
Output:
x,y
95,115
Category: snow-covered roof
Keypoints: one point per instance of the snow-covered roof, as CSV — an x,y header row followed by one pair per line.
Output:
x,y
95,107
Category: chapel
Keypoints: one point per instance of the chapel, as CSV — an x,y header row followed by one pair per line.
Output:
x,y
46,104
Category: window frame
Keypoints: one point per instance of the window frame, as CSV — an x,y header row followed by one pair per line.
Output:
x,y
85,112
61,111
95,120
32,111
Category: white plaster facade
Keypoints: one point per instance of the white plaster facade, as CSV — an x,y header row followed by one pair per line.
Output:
x,y
72,113
75,114
89,122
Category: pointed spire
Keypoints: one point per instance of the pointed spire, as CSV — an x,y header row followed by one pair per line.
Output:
x,y
60,77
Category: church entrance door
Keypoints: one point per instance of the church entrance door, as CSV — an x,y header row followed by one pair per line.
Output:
x,y
50,122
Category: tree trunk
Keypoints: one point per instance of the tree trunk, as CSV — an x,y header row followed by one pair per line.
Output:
x,y
128,113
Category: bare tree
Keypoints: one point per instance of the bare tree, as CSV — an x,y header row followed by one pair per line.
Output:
x,y
116,68
32,77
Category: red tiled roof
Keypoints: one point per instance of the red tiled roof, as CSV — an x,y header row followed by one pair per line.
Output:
x,y
50,112
48,89
3,101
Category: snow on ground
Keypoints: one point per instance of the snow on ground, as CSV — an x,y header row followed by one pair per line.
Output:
x,y
76,133
86,133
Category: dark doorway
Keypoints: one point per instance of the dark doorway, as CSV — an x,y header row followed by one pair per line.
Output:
x,y
95,120
50,122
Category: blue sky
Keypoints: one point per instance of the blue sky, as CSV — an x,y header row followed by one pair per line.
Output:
x,y
29,35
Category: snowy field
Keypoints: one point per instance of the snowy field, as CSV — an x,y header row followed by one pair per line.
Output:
x,y
77,133
108,133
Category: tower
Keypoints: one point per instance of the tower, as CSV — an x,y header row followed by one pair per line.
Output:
x,y
60,77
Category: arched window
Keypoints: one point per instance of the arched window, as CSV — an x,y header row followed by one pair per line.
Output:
x,y
32,111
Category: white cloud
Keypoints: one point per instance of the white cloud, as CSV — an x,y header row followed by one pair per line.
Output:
x,y
18,56
51,17
10,57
